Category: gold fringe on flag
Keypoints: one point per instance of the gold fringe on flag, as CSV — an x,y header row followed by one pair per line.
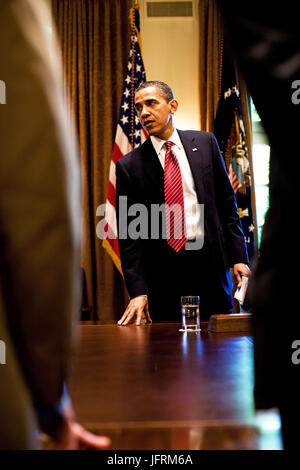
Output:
x,y
132,22
113,255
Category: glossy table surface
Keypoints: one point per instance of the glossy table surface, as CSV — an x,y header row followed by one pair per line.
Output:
x,y
155,387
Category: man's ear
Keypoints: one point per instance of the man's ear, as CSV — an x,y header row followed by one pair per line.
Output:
x,y
173,106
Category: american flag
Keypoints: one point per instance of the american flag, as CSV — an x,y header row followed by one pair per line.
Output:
x,y
129,134
230,133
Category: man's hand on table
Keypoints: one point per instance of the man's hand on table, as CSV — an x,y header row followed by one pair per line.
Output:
x,y
136,307
239,270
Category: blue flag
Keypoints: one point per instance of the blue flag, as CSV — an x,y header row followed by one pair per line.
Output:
x,y
230,133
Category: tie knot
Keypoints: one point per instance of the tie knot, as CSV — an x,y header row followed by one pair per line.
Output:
x,y
169,144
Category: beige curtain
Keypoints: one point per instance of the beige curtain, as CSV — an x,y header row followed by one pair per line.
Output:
x,y
95,40
211,45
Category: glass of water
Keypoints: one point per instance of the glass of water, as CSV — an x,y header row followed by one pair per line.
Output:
x,y
190,309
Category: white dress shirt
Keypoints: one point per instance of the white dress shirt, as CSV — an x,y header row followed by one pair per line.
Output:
x,y
191,203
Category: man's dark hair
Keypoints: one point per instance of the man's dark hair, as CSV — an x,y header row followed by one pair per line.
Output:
x,y
164,90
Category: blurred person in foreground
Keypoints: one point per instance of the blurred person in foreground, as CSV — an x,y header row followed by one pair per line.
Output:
x,y
40,237
266,44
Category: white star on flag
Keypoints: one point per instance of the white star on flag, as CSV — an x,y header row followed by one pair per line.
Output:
x,y
126,93
235,90
125,106
124,119
127,79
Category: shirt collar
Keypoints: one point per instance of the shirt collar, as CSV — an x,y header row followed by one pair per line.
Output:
x,y
158,143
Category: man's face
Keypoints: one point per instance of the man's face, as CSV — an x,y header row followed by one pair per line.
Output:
x,y
154,112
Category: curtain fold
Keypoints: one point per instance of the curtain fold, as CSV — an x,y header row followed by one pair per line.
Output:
x,y
211,51
95,40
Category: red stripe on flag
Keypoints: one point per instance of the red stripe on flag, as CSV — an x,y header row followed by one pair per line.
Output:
x,y
112,239
111,193
117,154
233,179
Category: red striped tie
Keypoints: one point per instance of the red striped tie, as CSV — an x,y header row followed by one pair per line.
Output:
x,y
174,202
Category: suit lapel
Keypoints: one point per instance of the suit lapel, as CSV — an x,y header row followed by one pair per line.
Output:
x,y
153,171
195,158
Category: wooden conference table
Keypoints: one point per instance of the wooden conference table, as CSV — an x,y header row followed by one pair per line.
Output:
x,y
152,387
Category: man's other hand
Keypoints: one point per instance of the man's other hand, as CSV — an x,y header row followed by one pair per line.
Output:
x,y
136,307
239,270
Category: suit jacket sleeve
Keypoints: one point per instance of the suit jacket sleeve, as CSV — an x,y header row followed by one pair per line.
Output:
x,y
228,211
131,250
39,208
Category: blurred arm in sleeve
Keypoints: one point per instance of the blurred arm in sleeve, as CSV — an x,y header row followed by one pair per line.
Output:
x,y
39,208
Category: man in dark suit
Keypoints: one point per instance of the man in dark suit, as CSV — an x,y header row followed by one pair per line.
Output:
x,y
184,167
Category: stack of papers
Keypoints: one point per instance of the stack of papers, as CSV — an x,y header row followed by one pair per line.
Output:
x,y
241,292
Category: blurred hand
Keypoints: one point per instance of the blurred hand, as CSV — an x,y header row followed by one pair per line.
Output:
x,y
136,307
239,270
74,437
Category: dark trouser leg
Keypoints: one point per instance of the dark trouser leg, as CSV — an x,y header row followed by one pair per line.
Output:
x,y
202,278
188,273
